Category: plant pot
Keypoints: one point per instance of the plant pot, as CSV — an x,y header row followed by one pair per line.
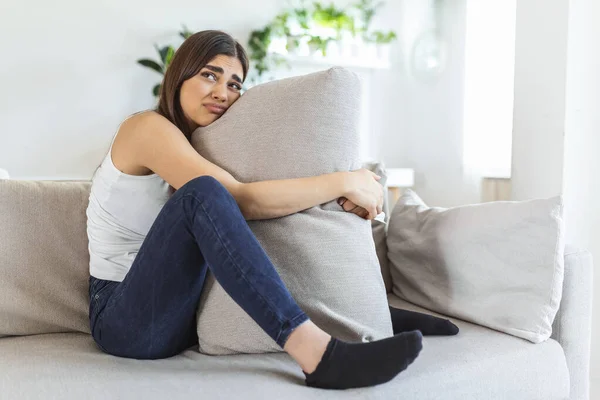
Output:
x,y
370,51
384,51
357,48
292,45
314,49
333,50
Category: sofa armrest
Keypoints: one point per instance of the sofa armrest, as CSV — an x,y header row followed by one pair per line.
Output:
x,y
573,322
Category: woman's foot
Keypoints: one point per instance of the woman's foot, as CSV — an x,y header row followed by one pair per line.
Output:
x,y
342,365
307,344
405,321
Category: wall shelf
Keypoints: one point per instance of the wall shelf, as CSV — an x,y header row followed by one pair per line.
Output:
x,y
346,62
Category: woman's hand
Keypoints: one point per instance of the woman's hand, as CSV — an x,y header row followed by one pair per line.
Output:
x,y
349,206
364,196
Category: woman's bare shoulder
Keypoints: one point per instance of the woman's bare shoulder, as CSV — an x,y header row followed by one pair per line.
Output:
x,y
136,127
141,126
146,117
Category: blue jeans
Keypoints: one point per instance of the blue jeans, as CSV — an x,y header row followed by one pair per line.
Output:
x,y
151,314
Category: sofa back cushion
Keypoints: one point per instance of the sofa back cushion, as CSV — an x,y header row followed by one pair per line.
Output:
x,y
293,128
44,261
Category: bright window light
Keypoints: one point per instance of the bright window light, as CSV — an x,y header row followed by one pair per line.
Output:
x,y
489,87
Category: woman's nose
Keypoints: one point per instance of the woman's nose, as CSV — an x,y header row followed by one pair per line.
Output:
x,y
219,92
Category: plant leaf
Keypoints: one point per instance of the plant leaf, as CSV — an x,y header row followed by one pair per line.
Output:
x,y
169,57
185,32
156,90
163,53
152,65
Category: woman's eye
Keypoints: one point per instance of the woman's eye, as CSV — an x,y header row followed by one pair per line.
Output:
x,y
236,86
209,75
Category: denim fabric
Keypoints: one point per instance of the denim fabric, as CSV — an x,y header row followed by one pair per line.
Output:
x,y
152,313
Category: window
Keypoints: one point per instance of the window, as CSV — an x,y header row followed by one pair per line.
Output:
x,y
489,87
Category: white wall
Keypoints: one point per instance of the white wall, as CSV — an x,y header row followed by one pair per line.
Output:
x,y
581,184
422,121
539,106
69,77
556,136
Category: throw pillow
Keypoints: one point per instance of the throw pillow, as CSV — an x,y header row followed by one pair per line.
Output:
x,y
380,239
497,264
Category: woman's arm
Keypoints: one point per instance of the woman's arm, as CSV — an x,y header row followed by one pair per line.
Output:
x,y
151,141
277,198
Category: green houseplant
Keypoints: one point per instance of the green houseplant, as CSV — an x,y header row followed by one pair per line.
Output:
x,y
380,37
165,56
336,18
354,20
296,26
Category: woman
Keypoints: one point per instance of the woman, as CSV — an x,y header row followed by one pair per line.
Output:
x,y
150,248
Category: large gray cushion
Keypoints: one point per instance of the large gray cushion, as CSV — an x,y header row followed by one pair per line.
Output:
x,y
379,229
477,364
293,128
498,264
44,260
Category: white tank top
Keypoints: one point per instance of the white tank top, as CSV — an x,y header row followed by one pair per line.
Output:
x,y
121,210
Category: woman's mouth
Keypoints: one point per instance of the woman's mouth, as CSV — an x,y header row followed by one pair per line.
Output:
x,y
215,108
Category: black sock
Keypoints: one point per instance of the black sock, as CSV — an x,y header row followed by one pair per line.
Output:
x,y
352,365
404,321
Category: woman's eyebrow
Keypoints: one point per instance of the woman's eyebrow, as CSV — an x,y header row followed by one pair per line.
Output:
x,y
220,70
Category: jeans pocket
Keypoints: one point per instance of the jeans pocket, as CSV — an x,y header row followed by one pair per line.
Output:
x,y
97,286
93,285
99,295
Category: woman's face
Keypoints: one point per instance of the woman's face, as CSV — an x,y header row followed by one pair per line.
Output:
x,y
207,95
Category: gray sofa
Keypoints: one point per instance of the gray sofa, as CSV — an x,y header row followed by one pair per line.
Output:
x,y
49,353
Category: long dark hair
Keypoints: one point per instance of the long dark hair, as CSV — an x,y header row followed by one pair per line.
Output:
x,y
193,55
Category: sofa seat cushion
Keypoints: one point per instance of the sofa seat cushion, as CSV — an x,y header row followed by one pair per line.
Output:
x,y
481,363
478,363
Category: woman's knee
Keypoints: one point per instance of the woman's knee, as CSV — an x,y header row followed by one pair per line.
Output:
x,y
205,184
208,191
